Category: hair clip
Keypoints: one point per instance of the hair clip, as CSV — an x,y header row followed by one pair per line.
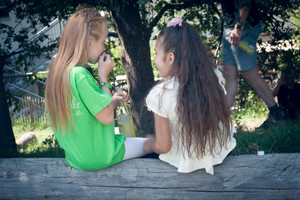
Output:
x,y
89,25
176,21
85,14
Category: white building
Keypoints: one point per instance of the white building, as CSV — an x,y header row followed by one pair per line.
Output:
x,y
53,31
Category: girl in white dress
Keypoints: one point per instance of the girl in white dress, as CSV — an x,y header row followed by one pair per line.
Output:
x,y
192,119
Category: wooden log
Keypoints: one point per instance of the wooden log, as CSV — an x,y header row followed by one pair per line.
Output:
x,y
273,176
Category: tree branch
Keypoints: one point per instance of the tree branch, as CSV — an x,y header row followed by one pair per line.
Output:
x,y
18,24
14,53
222,25
166,7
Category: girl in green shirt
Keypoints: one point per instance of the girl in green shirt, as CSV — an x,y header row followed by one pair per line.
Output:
x,y
82,114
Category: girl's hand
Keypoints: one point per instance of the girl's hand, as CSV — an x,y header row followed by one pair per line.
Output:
x,y
105,65
119,96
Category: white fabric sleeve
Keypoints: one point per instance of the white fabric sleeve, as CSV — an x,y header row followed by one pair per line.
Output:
x,y
155,102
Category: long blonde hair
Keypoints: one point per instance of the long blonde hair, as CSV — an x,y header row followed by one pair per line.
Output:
x,y
72,51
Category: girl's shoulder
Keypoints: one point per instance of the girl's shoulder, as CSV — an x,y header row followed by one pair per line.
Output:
x,y
167,89
163,97
79,69
167,84
80,72
81,75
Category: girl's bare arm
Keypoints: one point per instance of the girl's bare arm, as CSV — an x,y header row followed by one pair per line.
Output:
x,y
162,142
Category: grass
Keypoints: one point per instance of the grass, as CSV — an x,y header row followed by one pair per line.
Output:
x,y
282,138
45,145
40,130
249,118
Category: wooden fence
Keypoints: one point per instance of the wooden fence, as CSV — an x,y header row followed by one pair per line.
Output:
x,y
28,108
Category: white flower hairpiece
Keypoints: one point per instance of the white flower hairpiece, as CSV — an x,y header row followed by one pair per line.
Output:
x,y
176,21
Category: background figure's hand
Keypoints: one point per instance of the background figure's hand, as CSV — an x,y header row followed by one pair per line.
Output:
x,y
148,146
235,36
119,96
105,65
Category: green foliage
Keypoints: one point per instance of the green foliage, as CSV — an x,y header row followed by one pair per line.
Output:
x,y
155,70
31,126
283,57
115,52
275,13
250,107
41,129
21,126
205,16
48,148
45,144
282,138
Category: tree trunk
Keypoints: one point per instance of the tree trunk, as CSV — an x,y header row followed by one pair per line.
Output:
x,y
8,146
136,59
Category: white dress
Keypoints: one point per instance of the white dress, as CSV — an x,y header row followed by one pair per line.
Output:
x,y
162,100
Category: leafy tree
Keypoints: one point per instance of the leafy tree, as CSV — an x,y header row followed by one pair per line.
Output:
x,y
133,25
133,21
21,57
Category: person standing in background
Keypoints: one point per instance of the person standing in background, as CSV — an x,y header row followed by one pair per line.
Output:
x,y
242,23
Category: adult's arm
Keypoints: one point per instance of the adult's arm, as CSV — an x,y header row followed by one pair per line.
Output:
x,y
236,34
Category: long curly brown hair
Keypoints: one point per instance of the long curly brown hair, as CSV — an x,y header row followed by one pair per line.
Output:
x,y
202,110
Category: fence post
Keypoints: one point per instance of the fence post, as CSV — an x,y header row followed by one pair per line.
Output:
x,y
30,109
23,99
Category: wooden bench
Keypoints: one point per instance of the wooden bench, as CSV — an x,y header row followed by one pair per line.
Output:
x,y
273,176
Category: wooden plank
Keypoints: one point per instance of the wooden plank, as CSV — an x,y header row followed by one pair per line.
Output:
x,y
273,176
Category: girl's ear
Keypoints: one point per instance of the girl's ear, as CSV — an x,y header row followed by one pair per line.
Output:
x,y
171,58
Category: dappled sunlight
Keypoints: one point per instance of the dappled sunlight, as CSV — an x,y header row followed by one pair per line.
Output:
x,y
250,124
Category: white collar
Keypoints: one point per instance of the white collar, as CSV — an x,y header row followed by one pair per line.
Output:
x,y
168,83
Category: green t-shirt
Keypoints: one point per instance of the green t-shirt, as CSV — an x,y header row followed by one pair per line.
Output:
x,y
91,145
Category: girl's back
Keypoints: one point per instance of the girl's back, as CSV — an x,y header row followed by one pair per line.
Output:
x,y
162,100
190,103
91,145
